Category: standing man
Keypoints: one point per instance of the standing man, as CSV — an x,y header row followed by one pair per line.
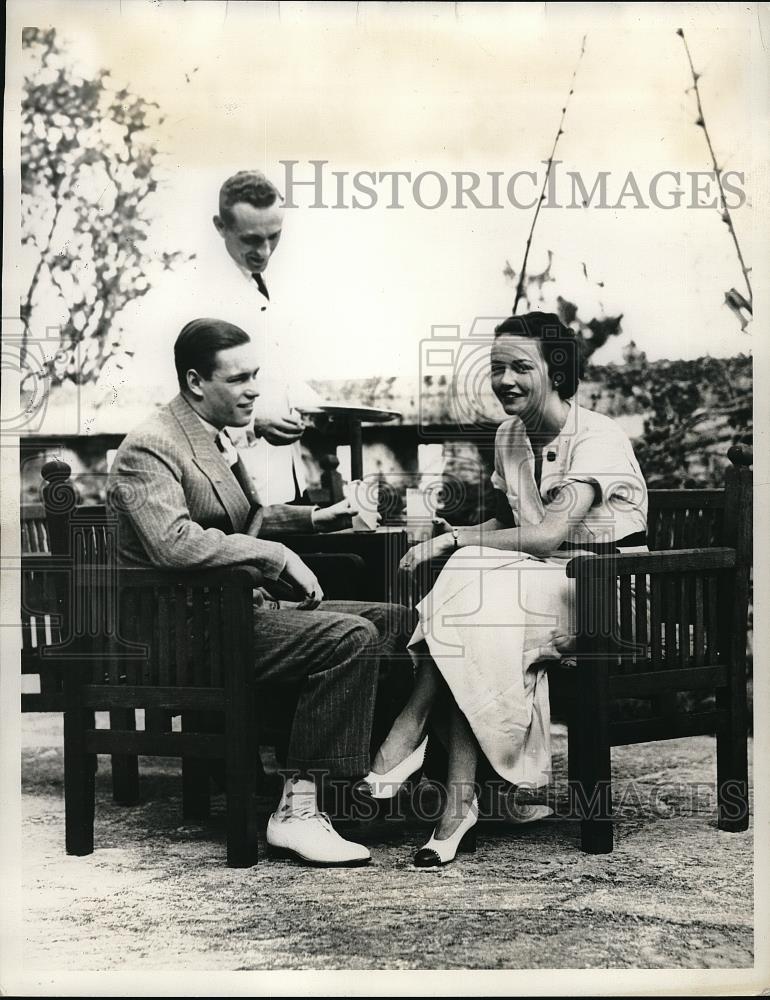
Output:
x,y
250,223
224,277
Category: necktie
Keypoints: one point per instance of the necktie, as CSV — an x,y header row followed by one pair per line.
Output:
x,y
238,469
260,283
261,286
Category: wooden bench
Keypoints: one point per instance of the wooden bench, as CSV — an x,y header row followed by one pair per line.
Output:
x,y
653,625
105,637
656,632
178,643
49,531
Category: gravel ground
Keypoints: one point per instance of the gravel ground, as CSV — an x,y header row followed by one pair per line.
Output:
x,y
157,895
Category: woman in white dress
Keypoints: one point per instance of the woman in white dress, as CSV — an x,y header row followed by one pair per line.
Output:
x,y
568,481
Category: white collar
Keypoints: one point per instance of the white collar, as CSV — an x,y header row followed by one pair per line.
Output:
x,y
222,440
212,430
568,429
244,271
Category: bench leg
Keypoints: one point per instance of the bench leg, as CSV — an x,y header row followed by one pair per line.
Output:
x,y
196,797
51,682
596,834
732,764
591,786
573,749
125,767
79,781
590,794
242,751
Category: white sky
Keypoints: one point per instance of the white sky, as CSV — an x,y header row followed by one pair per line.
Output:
x,y
448,87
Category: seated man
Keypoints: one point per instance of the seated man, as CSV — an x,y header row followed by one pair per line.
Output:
x,y
199,510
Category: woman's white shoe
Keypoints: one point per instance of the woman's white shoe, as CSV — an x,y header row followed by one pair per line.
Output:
x,y
440,852
386,786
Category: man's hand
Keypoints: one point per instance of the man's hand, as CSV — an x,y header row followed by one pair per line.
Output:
x,y
279,430
303,580
336,517
333,518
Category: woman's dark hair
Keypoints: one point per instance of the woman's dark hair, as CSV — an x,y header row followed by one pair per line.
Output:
x,y
251,186
559,344
198,343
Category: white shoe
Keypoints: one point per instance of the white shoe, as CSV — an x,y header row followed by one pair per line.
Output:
x,y
440,852
386,786
311,837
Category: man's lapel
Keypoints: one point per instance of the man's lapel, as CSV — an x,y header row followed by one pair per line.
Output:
x,y
212,463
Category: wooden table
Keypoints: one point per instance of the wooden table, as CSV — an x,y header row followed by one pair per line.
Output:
x,y
351,416
381,550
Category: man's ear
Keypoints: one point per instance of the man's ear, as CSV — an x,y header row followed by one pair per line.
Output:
x,y
219,225
194,383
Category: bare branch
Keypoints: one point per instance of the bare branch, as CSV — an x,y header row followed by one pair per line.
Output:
x,y
549,165
726,217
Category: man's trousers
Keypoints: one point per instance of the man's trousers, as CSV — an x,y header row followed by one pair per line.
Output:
x,y
330,659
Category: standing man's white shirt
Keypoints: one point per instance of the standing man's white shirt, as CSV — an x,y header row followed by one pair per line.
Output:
x,y
277,471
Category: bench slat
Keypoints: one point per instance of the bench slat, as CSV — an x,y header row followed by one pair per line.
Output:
x,y
104,696
666,728
154,744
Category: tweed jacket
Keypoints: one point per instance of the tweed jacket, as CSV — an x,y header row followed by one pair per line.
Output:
x,y
179,506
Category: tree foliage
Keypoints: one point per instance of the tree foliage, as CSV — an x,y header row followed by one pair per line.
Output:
x,y
694,410
89,168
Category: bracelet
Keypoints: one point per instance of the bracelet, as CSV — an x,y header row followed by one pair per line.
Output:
x,y
454,537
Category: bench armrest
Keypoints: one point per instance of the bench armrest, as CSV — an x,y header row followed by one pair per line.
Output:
x,y
674,560
244,576
34,561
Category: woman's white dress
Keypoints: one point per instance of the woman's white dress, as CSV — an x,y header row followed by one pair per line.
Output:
x,y
492,616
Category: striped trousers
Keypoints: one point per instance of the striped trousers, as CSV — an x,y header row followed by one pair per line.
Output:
x,y
330,658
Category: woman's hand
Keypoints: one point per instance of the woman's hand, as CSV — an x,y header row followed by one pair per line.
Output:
x,y
440,526
423,552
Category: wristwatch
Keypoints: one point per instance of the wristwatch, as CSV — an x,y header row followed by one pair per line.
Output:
x,y
454,536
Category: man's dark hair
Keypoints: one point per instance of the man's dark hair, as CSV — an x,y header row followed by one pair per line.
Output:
x,y
559,344
250,186
198,343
